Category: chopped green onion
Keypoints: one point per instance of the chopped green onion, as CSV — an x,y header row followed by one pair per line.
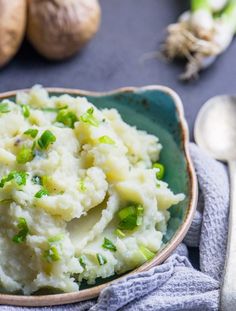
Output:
x,y
50,109
82,261
4,107
161,172
56,238
37,180
41,193
82,186
130,217
25,111
51,254
101,259
109,245
25,155
20,237
31,132
127,211
46,139
129,223
146,252
119,233
89,118
33,145
53,109
66,117
106,140
6,179
140,211
18,177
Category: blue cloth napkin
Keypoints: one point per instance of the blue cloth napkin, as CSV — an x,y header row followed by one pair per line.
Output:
x,y
176,285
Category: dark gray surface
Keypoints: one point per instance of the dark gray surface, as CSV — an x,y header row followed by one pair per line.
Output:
x,y
129,30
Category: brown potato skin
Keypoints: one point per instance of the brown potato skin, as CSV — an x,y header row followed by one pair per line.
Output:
x,y
60,28
12,28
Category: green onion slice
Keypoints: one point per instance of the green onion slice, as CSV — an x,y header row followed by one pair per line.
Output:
x,y
82,261
161,172
101,259
41,193
119,233
46,139
4,107
106,140
18,177
51,254
20,237
140,211
129,223
130,217
66,117
53,109
25,111
127,211
56,238
89,118
82,186
25,155
109,245
31,132
146,252
50,109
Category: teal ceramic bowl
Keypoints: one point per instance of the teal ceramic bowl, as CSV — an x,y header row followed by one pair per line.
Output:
x,y
159,111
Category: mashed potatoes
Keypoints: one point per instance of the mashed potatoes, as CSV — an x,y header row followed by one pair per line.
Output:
x,y
79,197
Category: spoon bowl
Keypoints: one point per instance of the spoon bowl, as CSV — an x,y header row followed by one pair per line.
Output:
x,y
215,127
215,132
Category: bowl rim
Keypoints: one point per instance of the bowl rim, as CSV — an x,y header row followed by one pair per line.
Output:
x,y
67,298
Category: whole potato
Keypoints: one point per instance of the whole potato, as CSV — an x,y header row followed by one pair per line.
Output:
x,y
12,27
59,28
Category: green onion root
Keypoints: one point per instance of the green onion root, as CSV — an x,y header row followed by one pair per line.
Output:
x,y
199,41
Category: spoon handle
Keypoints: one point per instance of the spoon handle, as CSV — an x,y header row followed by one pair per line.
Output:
x,y
228,291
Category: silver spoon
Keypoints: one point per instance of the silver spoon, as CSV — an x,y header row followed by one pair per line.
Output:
x,y
215,132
